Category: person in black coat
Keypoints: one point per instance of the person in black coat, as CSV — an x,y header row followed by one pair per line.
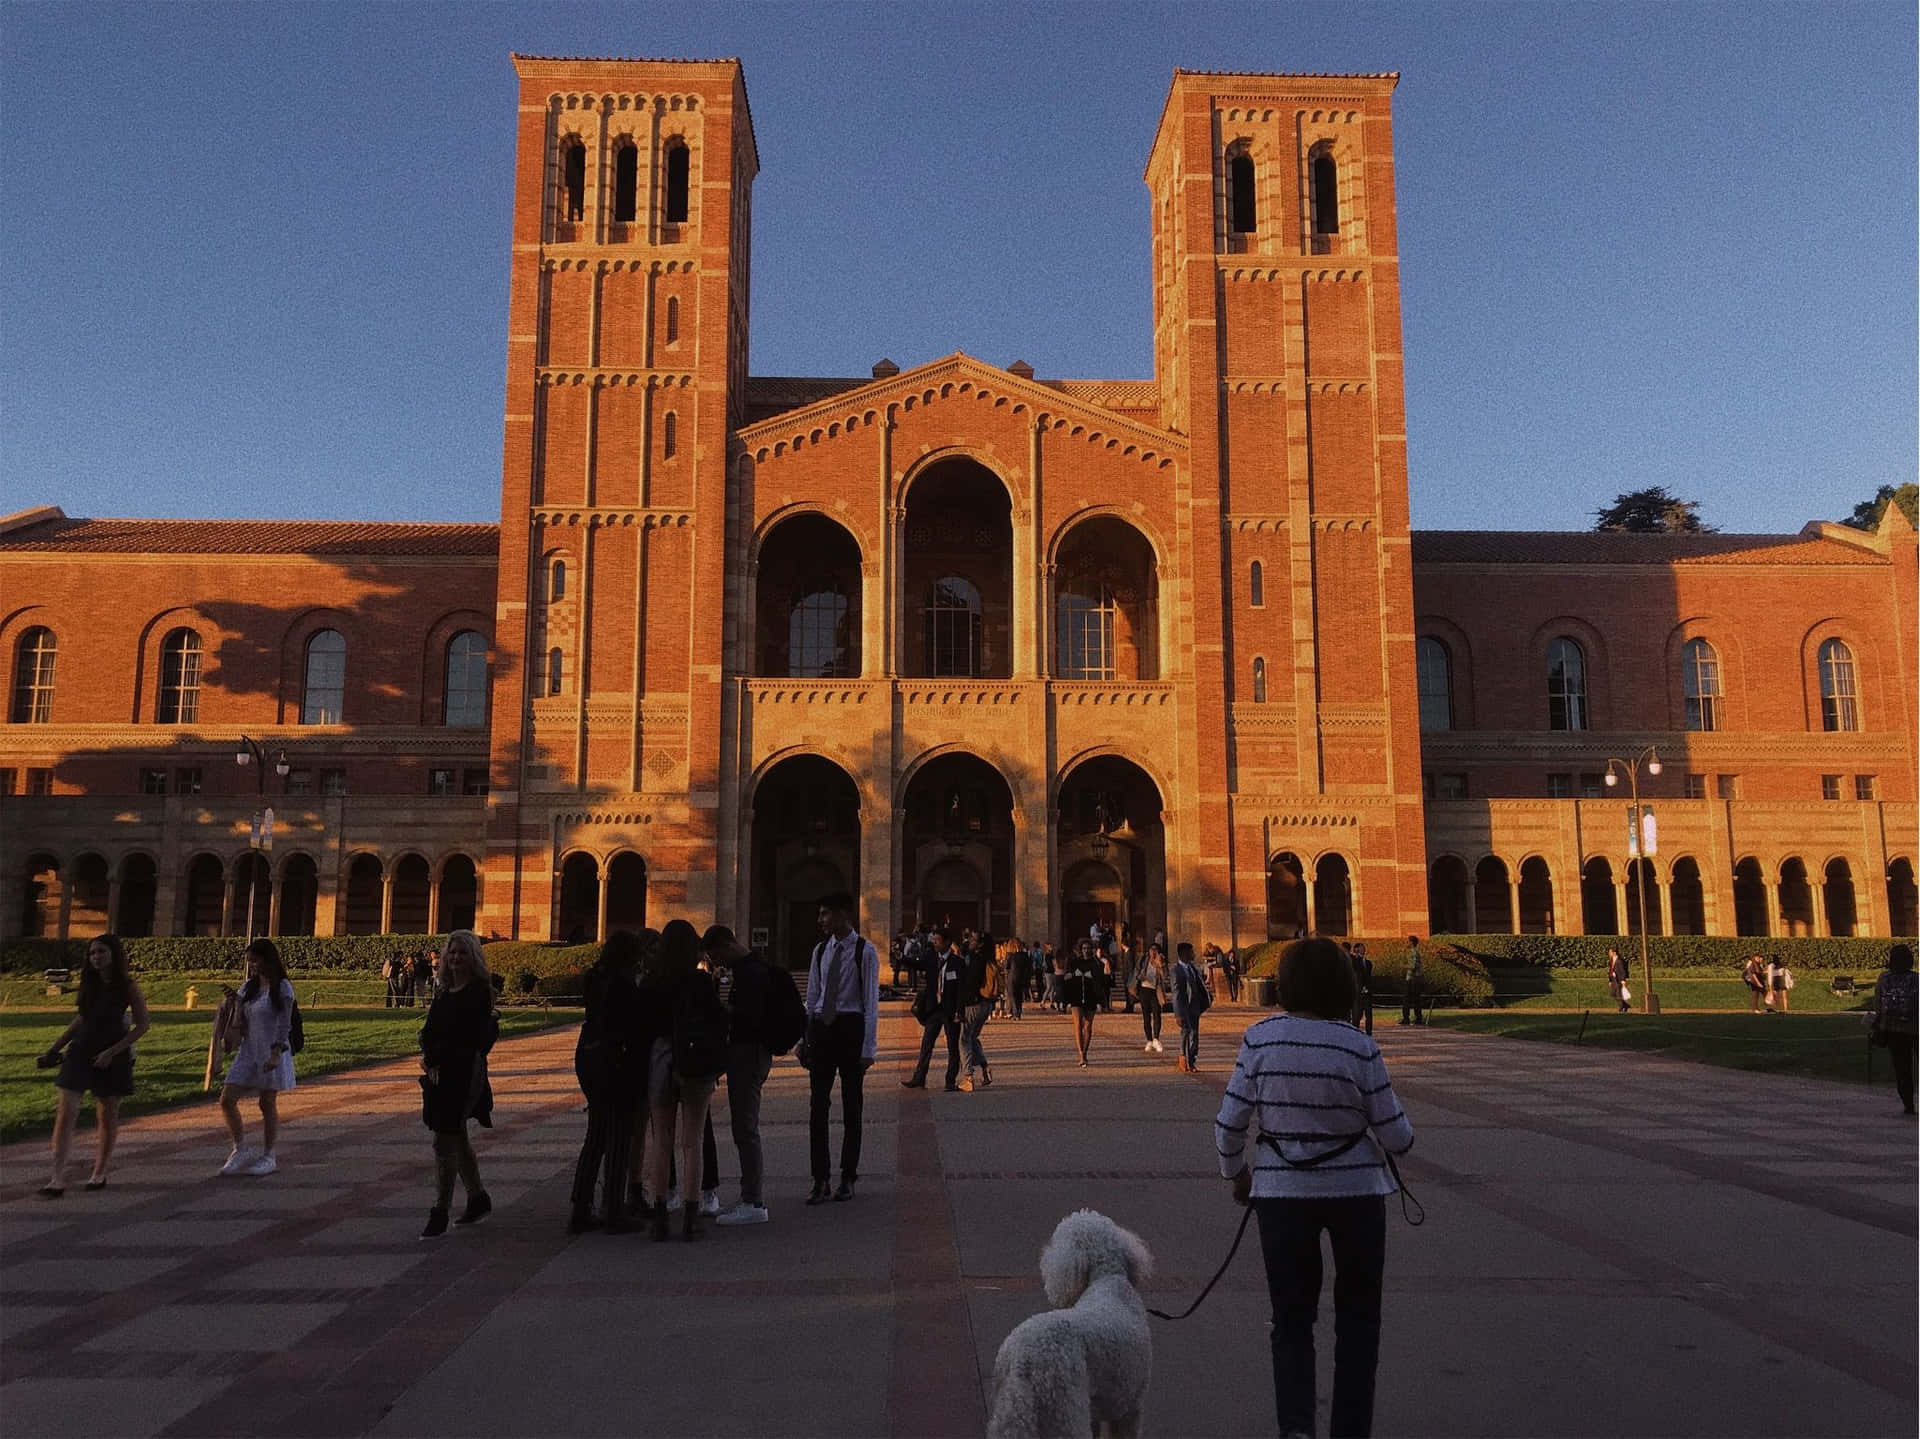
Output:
x,y
610,1062
461,1027
941,1005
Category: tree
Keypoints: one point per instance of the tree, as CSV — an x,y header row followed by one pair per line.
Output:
x,y
1652,512
1866,515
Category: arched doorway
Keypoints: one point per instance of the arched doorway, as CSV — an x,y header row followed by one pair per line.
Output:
x,y
40,898
89,888
1598,913
626,892
139,894
1091,891
957,584
459,894
1286,897
959,816
252,895
1109,818
578,919
412,895
807,589
1492,897
1332,895
299,894
1796,897
1689,897
805,843
1903,899
1106,604
1449,896
1843,914
1641,878
1536,896
1750,915
363,894
203,899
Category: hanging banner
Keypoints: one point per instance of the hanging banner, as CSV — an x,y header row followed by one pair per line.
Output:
x,y
1649,832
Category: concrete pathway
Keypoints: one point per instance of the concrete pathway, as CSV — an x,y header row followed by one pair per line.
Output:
x,y
1615,1245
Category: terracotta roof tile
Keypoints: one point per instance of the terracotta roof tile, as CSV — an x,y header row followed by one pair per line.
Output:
x,y
1591,547
253,537
770,395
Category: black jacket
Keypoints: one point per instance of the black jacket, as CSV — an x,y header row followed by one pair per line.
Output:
x,y
748,1000
610,1059
460,1028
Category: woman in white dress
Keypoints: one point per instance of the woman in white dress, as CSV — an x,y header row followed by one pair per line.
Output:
x,y
262,1057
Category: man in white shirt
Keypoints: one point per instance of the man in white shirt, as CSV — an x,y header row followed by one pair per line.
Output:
x,y
843,1016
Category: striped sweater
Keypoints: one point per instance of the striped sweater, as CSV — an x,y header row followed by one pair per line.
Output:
x,y
1310,1084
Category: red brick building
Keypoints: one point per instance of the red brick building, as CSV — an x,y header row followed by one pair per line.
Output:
x,y
982,645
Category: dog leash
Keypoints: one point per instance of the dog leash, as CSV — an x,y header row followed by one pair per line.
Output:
x,y
1416,1215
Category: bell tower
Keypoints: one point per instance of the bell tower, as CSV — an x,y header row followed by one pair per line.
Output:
x,y
626,372
1277,346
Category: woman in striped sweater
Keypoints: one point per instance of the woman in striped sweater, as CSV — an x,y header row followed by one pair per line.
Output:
x,y
1304,1132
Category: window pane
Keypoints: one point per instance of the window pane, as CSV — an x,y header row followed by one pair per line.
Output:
x,y
467,680
1566,686
1700,683
1086,641
817,632
179,678
1839,703
326,687
33,677
1435,668
953,628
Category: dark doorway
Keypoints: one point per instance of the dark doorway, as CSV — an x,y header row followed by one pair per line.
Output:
x,y
1286,897
957,846
805,843
1598,912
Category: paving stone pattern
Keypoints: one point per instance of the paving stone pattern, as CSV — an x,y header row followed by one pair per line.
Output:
x,y
1616,1245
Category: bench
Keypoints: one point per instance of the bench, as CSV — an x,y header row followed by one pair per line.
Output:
x,y
59,976
1842,984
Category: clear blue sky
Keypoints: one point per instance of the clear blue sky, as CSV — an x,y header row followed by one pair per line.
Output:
x,y
256,255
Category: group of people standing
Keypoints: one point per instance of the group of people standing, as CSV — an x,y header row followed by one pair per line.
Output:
x,y
409,978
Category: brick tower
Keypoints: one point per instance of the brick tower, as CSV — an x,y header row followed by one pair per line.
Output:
x,y
1277,347
626,367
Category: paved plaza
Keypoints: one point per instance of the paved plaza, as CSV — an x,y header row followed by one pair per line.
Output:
x,y
1615,1245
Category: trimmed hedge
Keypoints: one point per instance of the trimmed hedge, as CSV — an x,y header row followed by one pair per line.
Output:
x,y
1448,975
552,971
204,954
1722,952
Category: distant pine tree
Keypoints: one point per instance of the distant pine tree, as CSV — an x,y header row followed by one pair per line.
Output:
x,y
1866,515
1652,512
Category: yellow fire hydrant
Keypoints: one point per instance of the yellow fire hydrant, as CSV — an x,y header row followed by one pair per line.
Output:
x,y
193,994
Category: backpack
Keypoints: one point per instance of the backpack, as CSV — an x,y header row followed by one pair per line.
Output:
x,y
296,1031
1198,1000
699,1031
993,981
783,1023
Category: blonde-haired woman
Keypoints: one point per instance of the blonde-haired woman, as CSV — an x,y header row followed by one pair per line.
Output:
x,y
461,1027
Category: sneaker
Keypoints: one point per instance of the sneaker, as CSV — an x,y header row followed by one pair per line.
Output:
x,y
744,1213
266,1164
710,1203
237,1163
1147,1048
965,1086
1158,1047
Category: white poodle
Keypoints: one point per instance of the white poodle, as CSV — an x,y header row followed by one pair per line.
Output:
x,y
1086,1361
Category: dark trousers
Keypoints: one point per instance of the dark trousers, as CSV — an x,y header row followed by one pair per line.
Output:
x,y
976,1020
747,1068
1190,1041
1363,1011
1290,1244
931,1031
1900,1049
1410,1003
1017,994
609,1133
836,1053
1150,1014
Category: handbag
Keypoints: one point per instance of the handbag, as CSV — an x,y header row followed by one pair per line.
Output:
x,y
923,1006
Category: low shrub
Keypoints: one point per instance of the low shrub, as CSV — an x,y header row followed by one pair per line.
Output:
x,y
207,954
1449,974
1682,951
552,971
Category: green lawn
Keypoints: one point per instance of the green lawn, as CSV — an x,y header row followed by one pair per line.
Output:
x,y
1526,987
1827,1046
171,1061
169,991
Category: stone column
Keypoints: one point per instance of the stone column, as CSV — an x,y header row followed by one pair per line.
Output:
x,y
1622,916
897,591
66,902
1818,889
1024,621
1666,906
600,904
877,896
1513,903
896,862
433,904
386,899
1775,920
113,900
274,893
1313,918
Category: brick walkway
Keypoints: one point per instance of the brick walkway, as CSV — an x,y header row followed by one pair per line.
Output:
x,y
1616,1245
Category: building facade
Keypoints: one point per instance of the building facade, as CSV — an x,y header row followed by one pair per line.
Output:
x,y
980,645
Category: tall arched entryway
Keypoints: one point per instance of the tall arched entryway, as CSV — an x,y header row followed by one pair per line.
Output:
x,y
577,921
203,898
1689,897
139,893
1449,896
626,892
1106,604
1903,898
40,898
459,894
1843,912
1796,898
1286,896
1536,896
1111,849
956,849
1598,912
805,844
252,895
957,583
364,876
1750,915
412,895
89,888
299,894
1492,897
1332,895
1642,883
807,601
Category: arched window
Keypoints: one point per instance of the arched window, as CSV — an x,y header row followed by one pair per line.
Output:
x,y
678,161
1566,685
1700,683
466,706
324,695
1326,195
33,677
626,182
1086,634
1434,665
1839,699
556,670
673,321
1243,213
573,181
1259,681
953,616
179,678
669,436
557,581
817,630
1256,585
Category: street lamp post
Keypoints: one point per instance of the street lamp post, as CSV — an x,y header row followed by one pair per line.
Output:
x,y
1641,843
260,836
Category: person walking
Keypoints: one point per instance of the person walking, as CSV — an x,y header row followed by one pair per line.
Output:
x,y
423,977
460,1028
1080,988
1412,994
262,1067
749,1062
1053,970
1779,981
1019,976
1190,1001
1303,1133
1126,958
688,1055
940,1007
1753,974
95,1052
987,977
843,1016
1617,976
1152,985
610,1062
1896,1018
1363,987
